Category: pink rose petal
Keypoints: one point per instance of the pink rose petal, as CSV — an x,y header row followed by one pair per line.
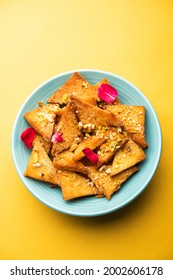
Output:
x,y
28,136
90,155
107,93
57,138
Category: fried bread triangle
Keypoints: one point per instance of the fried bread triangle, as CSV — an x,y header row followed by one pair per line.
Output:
x,y
76,85
90,114
68,128
42,119
74,185
133,119
107,184
40,166
127,157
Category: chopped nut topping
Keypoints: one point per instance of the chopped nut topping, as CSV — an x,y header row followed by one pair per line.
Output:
x,y
77,139
85,85
119,129
41,116
80,125
90,183
87,135
37,164
88,127
108,171
102,168
64,98
113,146
113,135
49,117
44,116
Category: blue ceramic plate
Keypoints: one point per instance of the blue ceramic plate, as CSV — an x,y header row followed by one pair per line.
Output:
x,y
90,206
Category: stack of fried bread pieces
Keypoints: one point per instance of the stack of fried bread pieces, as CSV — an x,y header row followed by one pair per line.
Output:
x,y
113,131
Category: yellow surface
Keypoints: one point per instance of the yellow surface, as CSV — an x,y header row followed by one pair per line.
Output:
x,y
40,39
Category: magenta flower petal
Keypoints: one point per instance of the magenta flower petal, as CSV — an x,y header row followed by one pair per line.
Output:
x,y
57,138
90,155
107,93
28,136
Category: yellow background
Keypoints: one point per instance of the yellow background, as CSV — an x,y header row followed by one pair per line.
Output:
x,y
40,39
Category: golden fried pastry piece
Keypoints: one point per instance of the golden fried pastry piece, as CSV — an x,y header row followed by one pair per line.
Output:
x,y
127,157
40,166
68,128
42,119
76,85
74,185
107,184
64,161
93,115
133,119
